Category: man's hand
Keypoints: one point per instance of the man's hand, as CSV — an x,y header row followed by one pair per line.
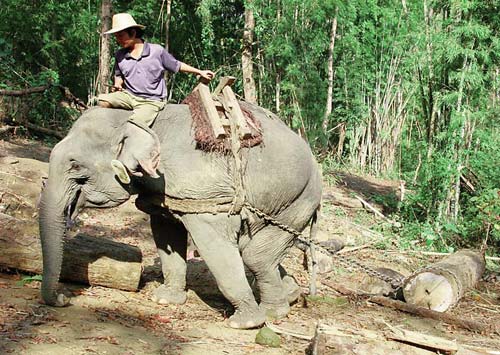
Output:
x,y
118,84
207,74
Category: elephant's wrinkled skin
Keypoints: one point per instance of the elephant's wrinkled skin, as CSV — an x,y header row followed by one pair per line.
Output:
x,y
281,178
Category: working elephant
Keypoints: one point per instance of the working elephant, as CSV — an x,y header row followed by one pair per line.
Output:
x,y
279,178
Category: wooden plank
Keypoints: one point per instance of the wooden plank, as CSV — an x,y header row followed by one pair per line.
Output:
x,y
233,108
225,81
423,340
213,116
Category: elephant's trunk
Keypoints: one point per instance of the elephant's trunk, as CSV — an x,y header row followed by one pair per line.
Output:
x,y
52,224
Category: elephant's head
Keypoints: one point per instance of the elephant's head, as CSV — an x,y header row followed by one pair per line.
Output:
x,y
80,175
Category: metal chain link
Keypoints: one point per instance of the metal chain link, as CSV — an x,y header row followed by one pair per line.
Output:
x,y
394,282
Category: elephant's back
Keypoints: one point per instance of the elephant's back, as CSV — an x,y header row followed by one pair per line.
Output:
x,y
277,171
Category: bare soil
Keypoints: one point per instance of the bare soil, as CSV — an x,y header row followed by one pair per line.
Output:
x,y
109,321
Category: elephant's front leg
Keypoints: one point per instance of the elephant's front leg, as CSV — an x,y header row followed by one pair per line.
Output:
x,y
215,237
171,241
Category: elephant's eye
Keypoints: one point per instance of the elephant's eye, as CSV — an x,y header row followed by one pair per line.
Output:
x,y
75,165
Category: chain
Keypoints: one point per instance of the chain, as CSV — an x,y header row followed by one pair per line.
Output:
x,y
348,262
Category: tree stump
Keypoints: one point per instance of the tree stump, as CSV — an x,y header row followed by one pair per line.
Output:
x,y
87,259
441,285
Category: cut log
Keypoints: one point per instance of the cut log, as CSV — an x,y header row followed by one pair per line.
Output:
x,y
87,259
225,81
234,110
441,285
209,105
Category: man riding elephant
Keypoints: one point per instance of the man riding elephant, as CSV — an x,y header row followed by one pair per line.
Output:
x,y
139,85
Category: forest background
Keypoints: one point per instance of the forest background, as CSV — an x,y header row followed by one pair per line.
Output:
x,y
407,90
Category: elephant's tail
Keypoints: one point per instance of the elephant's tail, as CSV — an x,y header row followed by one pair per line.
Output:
x,y
313,231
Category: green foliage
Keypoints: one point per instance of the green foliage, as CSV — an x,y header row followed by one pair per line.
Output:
x,y
416,91
29,279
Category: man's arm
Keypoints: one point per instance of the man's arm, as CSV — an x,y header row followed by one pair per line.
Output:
x,y
206,74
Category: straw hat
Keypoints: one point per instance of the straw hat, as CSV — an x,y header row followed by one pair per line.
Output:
x,y
122,22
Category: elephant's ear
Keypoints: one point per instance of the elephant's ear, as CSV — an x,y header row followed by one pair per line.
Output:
x,y
148,130
117,138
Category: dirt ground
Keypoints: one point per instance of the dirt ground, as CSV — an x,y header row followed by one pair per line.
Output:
x,y
109,321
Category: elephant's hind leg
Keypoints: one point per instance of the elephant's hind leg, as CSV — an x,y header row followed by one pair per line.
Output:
x,y
262,255
171,241
215,238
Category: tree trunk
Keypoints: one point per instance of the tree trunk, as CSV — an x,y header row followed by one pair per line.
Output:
x,y
168,16
169,79
441,285
247,57
105,54
89,260
340,145
329,98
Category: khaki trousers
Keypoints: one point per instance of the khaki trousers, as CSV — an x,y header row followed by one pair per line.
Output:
x,y
145,110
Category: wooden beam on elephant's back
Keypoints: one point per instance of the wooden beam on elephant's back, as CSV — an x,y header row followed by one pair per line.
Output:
x,y
234,110
210,109
89,260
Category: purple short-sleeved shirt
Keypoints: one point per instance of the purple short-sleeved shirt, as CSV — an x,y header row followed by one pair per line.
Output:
x,y
144,76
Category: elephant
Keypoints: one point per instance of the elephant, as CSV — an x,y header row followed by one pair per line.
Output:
x,y
280,179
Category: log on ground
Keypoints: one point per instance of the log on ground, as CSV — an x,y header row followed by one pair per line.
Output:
x,y
441,285
90,260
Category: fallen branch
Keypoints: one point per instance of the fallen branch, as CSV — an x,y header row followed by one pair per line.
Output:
x,y
291,333
38,89
419,311
24,92
40,129
5,129
435,253
347,250
443,317
16,176
375,211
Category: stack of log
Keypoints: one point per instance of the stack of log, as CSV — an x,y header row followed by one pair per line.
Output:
x,y
223,100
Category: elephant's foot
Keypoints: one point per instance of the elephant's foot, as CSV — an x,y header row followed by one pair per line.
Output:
x,y
275,311
168,295
291,288
60,301
247,317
